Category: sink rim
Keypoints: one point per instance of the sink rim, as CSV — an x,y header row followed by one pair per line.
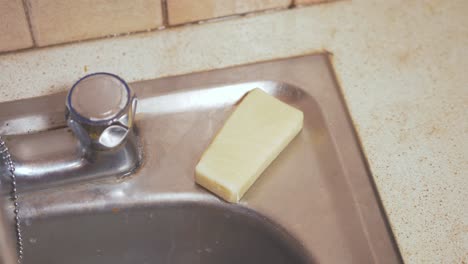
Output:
x,y
291,72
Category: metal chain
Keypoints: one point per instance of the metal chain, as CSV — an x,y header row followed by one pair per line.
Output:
x,y
14,195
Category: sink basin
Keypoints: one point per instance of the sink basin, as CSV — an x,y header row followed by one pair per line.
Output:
x,y
316,203
180,232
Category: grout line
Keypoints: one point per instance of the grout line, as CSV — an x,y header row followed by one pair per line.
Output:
x,y
323,2
165,13
28,19
109,36
165,26
231,16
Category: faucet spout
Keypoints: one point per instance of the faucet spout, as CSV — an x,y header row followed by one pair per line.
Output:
x,y
100,139
55,158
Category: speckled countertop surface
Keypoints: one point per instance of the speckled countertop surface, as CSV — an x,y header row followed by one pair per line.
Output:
x,y
402,66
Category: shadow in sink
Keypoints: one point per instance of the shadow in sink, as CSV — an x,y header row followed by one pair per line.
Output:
x,y
167,233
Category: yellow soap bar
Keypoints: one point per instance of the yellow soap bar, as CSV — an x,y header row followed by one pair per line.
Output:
x,y
253,136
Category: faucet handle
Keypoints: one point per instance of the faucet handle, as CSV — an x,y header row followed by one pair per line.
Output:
x,y
101,110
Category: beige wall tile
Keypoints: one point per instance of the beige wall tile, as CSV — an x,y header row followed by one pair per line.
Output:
x,y
306,2
182,11
59,21
14,29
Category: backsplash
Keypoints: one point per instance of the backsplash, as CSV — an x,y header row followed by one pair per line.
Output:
x,y
28,24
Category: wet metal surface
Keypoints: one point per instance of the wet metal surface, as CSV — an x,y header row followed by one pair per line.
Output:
x,y
315,203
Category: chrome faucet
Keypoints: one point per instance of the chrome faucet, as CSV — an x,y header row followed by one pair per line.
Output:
x,y
100,139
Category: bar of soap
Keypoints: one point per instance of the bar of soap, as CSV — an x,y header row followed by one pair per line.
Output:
x,y
253,136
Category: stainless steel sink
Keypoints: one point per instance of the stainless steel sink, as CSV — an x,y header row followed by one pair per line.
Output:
x,y
315,204
169,232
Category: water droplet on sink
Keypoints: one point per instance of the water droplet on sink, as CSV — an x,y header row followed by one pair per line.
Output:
x,y
208,250
33,240
28,222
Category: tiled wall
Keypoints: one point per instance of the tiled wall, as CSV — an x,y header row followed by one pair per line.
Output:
x,y
38,23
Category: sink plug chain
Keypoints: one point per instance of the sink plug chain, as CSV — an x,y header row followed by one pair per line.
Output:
x,y
11,167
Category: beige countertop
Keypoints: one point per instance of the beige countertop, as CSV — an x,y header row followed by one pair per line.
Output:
x,y
402,67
